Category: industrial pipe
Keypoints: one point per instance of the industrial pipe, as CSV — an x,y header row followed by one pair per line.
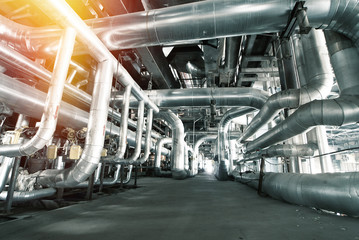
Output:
x,y
49,117
224,160
64,15
198,97
159,145
336,192
319,83
334,112
148,141
5,168
283,150
22,196
177,156
95,136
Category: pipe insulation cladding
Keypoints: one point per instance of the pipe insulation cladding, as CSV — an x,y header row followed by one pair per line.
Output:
x,y
337,192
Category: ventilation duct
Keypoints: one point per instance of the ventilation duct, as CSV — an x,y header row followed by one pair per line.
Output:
x,y
337,192
178,143
334,112
319,83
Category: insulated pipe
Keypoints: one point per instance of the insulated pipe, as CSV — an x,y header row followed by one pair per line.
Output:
x,y
63,14
30,68
226,164
159,145
197,97
52,104
22,196
148,141
319,83
334,112
178,143
5,168
95,135
284,150
233,45
29,101
337,192
173,25
202,140
137,151
123,126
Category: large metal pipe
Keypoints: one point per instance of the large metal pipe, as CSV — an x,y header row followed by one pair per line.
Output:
x,y
124,123
284,150
337,192
148,141
22,196
140,119
178,143
173,25
5,168
50,115
66,16
319,83
197,97
225,162
335,112
159,145
95,135
30,102
28,67
231,57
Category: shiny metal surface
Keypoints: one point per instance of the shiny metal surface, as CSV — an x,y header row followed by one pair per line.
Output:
x,y
148,141
124,123
137,151
20,196
159,144
178,143
284,150
66,16
319,78
223,145
5,168
337,192
335,112
197,97
95,136
52,104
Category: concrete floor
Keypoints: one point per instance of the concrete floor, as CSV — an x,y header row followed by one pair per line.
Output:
x,y
196,208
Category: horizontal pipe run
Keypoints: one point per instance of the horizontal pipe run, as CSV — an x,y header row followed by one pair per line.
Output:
x,y
199,97
336,192
23,196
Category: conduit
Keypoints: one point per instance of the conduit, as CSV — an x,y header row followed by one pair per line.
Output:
x,y
225,162
337,192
334,112
50,115
178,143
319,83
